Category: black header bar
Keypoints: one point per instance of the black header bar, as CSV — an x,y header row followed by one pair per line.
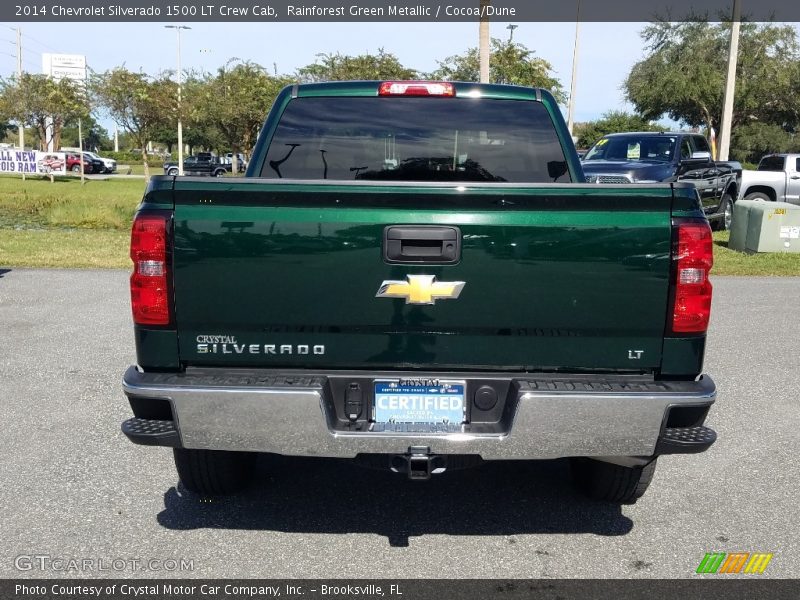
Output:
x,y
250,11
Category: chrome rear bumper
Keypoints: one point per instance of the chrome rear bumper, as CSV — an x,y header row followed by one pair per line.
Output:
x,y
292,414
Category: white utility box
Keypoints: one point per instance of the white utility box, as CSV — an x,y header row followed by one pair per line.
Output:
x,y
760,226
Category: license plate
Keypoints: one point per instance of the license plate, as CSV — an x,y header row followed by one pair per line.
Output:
x,y
440,403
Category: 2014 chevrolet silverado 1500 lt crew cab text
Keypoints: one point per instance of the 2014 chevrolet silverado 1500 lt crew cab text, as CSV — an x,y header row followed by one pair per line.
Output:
x,y
415,275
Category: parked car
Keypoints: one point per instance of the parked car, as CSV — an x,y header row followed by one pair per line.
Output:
x,y
109,164
649,157
203,163
777,177
89,165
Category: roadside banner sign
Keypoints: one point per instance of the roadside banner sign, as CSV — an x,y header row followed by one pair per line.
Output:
x,y
17,161
32,162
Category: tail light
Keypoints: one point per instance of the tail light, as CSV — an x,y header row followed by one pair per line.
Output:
x,y
149,281
694,257
417,88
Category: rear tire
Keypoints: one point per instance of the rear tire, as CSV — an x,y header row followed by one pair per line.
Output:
x,y
609,482
723,223
214,472
758,196
173,172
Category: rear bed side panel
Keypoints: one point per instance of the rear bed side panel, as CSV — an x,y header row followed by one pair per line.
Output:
x,y
565,278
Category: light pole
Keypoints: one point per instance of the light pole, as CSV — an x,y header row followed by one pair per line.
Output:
x,y
178,28
730,83
19,77
484,41
571,106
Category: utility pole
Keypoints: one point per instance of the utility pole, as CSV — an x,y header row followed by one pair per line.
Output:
x,y
730,83
483,41
116,138
20,126
80,151
178,28
573,85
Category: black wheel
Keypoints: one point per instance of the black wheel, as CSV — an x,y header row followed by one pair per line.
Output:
x,y
758,196
219,173
609,482
76,168
723,223
214,472
173,172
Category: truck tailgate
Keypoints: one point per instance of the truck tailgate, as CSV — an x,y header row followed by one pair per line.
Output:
x,y
555,277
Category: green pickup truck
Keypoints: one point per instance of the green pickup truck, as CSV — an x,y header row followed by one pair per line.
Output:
x,y
415,276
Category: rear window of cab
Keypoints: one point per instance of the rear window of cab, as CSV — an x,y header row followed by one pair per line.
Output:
x,y
416,139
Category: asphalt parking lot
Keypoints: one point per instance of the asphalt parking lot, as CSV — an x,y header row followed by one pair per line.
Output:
x,y
74,487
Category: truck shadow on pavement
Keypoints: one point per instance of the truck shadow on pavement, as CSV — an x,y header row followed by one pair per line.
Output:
x,y
3,272
302,495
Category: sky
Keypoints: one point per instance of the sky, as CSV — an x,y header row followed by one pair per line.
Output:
x,y
607,50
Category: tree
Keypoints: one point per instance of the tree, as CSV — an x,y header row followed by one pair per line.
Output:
x,y
94,135
5,128
165,133
230,106
684,72
336,67
203,134
612,122
753,140
510,62
198,131
43,103
137,103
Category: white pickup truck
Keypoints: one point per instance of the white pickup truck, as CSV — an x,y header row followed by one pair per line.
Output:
x,y
777,178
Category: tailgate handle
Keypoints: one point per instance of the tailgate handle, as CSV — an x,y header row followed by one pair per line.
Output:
x,y
421,244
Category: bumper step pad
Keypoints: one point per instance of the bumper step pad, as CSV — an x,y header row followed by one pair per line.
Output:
x,y
685,440
152,432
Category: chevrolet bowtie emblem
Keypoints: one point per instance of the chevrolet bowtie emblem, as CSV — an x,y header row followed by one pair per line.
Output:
x,y
421,289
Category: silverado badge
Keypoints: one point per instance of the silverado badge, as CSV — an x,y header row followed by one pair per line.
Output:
x,y
421,289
